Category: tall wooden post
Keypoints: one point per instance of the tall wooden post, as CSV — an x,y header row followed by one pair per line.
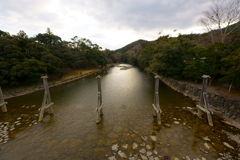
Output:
x,y
100,104
156,106
2,102
204,89
203,104
46,104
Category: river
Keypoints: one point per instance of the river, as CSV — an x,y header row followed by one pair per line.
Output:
x,y
128,129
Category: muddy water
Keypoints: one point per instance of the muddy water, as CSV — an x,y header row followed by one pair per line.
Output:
x,y
127,131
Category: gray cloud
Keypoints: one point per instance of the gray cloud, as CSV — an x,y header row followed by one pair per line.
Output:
x,y
138,16
143,14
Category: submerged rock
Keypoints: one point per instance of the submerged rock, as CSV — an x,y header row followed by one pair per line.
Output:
x,y
144,157
176,122
167,125
154,138
112,158
112,135
134,145
148,146
125,146
228,145
206,138
142,151
145,138
115,147
149,153
122,154
206,145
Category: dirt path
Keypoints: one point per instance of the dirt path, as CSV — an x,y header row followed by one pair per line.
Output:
x,y
218,90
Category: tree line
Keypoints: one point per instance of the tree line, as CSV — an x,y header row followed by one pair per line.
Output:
x,y
215,53
191,56
23,59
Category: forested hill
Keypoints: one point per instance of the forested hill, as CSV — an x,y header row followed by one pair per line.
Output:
x,y
191,56
25,59
127,53
134,45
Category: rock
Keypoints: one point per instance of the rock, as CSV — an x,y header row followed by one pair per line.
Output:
x,y
142,151
76,143
112,135
228,145
114,141
122,154
104,142
187,158
134,145
144,157
132,158
155,152
133,135
142,144
99,150
125,146
167,125
112,158
115,147
148,146
144,138
117,129
138,139
206,145
149,153
206,138
154,138
176,122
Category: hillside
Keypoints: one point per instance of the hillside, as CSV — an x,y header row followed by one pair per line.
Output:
x,y
132,47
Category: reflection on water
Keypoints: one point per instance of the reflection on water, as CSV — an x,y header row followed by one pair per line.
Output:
x,y
127,131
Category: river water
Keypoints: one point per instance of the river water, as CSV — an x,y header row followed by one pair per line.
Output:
x,y
127,130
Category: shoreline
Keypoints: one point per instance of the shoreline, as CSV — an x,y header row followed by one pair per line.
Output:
x,y
35,88
222,105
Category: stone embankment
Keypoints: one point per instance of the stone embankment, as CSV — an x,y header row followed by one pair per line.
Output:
x,y
27,90
223,105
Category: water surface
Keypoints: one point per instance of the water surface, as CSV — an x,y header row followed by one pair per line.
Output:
x,y
127,130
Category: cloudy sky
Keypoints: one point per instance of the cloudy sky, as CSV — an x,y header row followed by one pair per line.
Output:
x,y
109,23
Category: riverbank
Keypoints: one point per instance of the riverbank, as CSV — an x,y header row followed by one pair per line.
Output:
x,y
70,75
223,104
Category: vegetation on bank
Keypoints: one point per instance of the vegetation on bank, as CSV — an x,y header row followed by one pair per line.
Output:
x,y
215,53
189,56
24,60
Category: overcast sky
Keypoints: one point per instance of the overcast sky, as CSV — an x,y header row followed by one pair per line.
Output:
x,y
111,24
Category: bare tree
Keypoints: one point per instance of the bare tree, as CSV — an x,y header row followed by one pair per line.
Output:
x,y
220,17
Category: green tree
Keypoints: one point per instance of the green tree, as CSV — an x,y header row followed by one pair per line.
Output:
x,y
231,69
54,64
27,72
214,55
195,65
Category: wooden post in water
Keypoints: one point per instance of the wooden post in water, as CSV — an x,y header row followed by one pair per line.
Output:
x,y
2,102
46,104
203,104
100,104
156,106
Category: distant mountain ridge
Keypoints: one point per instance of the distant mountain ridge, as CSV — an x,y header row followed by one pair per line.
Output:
x,y
132,47
135,46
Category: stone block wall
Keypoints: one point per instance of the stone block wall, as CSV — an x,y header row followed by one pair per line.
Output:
x,y
225,106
